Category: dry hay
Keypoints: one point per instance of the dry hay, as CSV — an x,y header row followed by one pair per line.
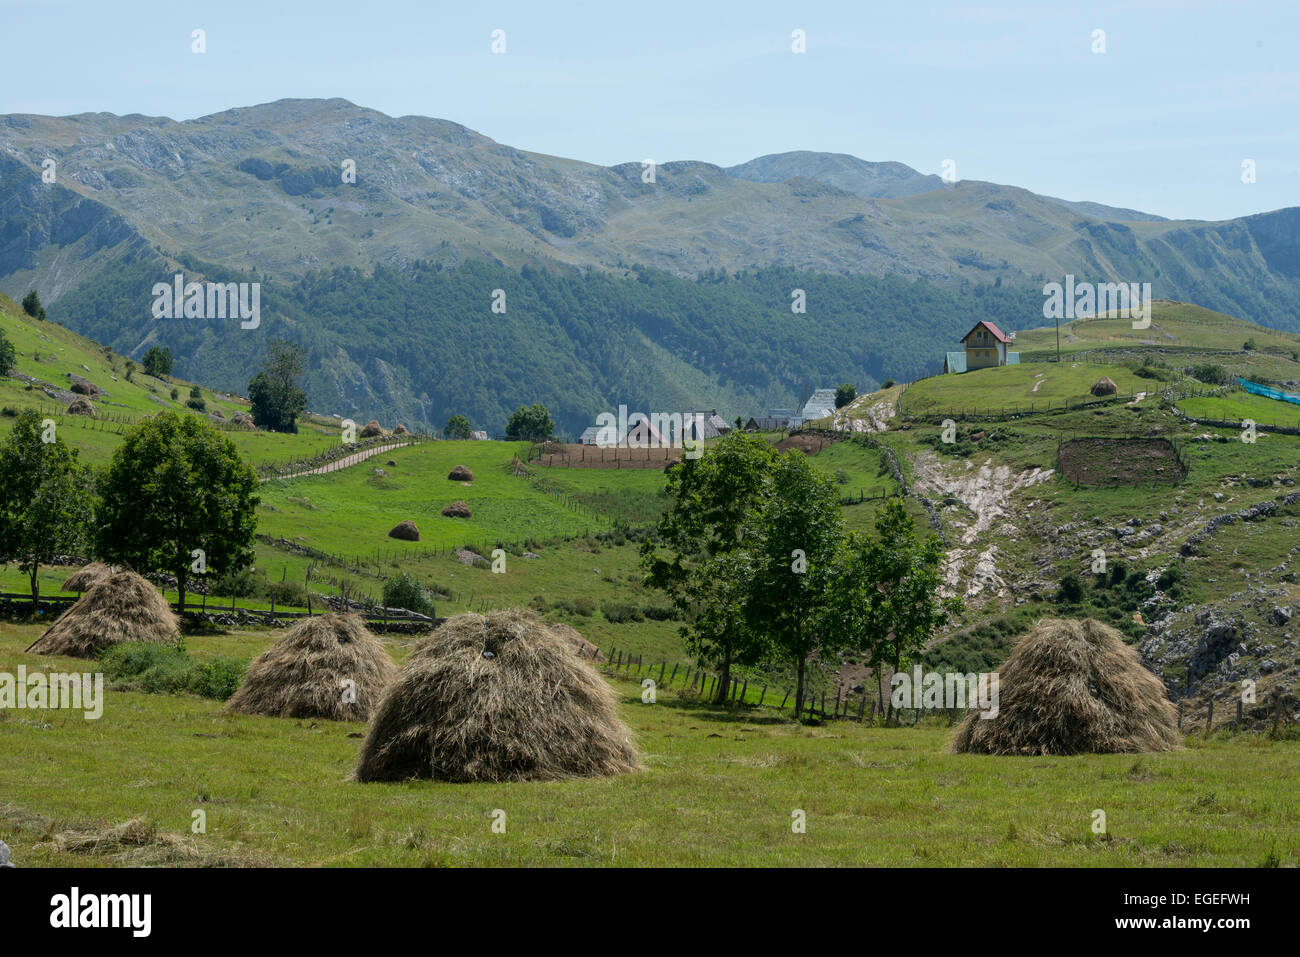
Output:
x,y
86,576
405,530
305,673
121,607
217,414
81,406
371,429
1104,386
460,474
82,387
583,647
244,421
457,510
1073,687
501,698
400,429
139,843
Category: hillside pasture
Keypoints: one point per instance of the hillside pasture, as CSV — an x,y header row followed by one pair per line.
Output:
x,y
1028,387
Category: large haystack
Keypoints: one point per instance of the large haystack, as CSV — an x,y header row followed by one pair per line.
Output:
x,y
1104,386
244,421
1073,687
81,406
457,510
460,474
329,666
371,429
121,607
86,576
406,530
501,698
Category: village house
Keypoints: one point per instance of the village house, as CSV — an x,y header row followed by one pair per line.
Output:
x,y
986,347
820,405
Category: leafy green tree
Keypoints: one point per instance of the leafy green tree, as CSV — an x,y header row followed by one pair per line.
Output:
x,y
276,399
32,305
791,585
196,401
844,394
8,356
158,362
176,486
696,552
457,427
889,590
403,591
45,498
531,422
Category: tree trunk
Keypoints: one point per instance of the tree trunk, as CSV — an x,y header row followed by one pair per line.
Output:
x,y
798,688
724,679
180,594
36,588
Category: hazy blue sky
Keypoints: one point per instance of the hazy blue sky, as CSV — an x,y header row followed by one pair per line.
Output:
x,y
1012,92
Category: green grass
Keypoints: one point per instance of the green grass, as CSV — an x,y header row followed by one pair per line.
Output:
x,y
1013,388
719,789
1238,404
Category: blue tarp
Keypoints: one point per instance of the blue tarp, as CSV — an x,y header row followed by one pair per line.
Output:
x,y
1268,392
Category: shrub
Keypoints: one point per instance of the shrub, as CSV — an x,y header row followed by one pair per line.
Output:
x,y
403,591
1210,374
241,583
622,612
1071,590
659,612
162,669
585,607
289,593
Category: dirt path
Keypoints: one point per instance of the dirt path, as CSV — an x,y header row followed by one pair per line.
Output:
x,y
353,459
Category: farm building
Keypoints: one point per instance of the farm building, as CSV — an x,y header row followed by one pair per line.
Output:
x,y
713,425
986,346
820,405
776,420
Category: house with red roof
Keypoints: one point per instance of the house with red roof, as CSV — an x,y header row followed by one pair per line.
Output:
x,y
986,346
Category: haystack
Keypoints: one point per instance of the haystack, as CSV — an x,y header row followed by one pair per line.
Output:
x,y
400,429
86,576
243,420
81,406
1104,386
406,530
82,387
121,607
457,510
1073,687
460,474
501,698
329,666
371,429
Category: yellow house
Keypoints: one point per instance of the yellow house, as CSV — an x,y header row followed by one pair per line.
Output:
x,y
986,345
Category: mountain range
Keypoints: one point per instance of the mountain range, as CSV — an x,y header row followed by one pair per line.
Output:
x,y
337,209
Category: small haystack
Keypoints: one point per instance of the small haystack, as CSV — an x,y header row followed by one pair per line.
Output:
x,y
81,406
457,510
501,698
400,429
371,429
86,576
82,387
406,530
121,607
1073,687
460,474
1104,386
329,666
244,421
